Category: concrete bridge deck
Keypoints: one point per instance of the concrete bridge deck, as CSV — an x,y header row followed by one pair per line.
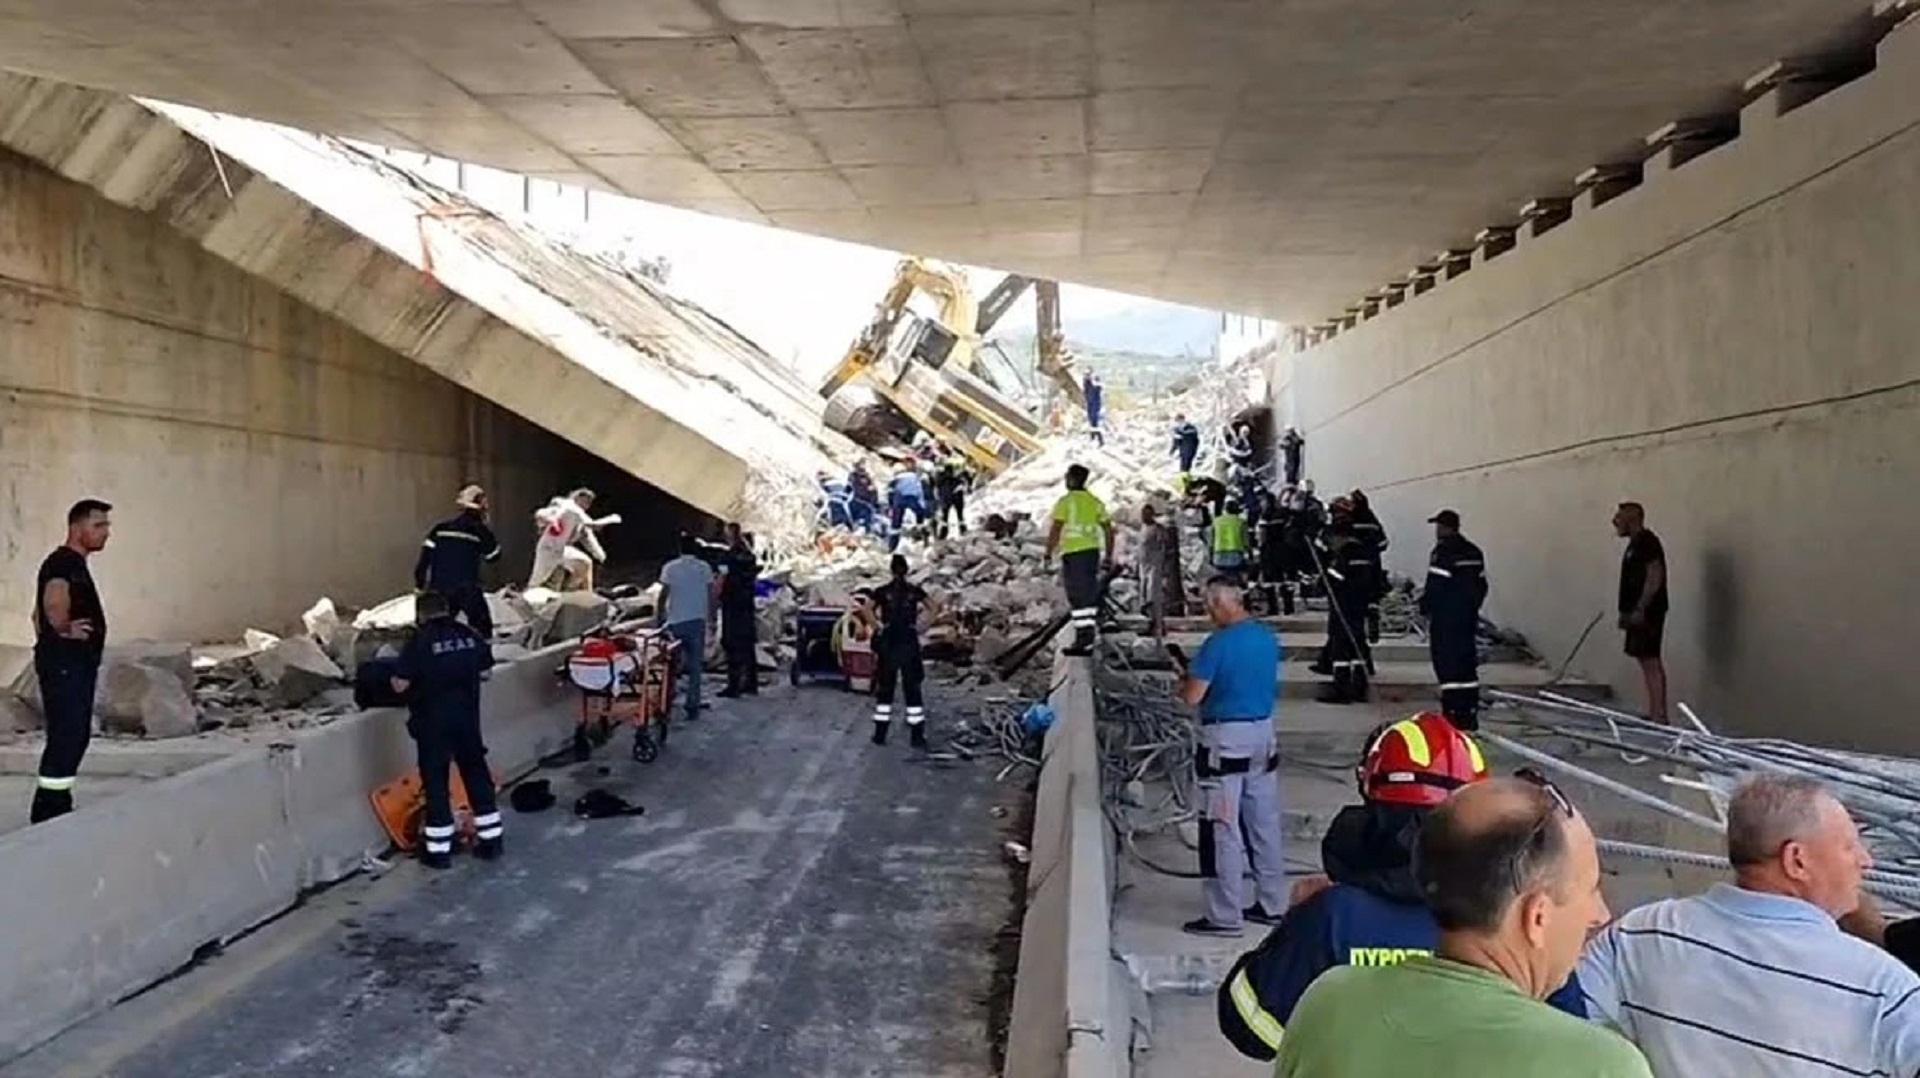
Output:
x,y
794,901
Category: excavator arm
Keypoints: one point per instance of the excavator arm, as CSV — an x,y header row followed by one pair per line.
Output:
x,y
1050,344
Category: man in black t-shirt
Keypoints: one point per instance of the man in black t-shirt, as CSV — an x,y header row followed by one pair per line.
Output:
x,y
897,649
1643,601
70,634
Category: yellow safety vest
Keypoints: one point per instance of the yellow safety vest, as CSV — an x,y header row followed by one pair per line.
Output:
x,y
1229,533
1081,518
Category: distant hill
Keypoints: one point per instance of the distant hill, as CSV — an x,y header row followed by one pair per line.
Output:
x,y
1149,329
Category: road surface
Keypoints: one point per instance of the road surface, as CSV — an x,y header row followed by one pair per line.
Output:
x,y
795,901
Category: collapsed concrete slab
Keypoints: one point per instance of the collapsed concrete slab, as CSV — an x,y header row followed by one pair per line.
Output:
x,y
571,342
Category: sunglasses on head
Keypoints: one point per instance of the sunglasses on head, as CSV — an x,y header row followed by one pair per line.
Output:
x,y
1517,862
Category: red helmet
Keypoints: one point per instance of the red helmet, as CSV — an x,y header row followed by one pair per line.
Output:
x,y
1419,761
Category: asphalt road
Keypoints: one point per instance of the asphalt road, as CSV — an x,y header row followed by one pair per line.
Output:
x,y
795,901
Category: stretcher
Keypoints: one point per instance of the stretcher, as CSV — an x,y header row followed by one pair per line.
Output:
x,y
627,678
401,807
825,651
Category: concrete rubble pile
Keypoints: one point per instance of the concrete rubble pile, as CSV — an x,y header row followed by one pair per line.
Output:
x,y
991,592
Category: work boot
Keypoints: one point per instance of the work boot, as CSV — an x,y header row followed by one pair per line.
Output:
x,y
1336,691
917,735
1286,601
48,804
490,849
1357,686
880,732
582,745
436,860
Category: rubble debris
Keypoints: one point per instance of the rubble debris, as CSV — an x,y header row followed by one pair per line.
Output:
x,y
297,670
144,699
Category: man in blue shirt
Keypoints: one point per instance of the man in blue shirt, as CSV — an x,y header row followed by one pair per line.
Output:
x,y
1234,681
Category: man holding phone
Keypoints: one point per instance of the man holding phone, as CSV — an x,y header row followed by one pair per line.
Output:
x,y
1234,681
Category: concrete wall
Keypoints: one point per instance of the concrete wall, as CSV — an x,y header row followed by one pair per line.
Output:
x,y
105,901
258,454
1735,343
1071,1008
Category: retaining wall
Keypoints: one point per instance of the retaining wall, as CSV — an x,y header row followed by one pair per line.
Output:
x,y
1735,343
111,898
1071,1012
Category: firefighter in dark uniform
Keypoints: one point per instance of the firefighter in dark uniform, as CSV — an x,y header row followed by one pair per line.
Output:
x,y
1351,586
1367,909
1367,527
69,640
738,633
897,649
439,673
450,559
1456,586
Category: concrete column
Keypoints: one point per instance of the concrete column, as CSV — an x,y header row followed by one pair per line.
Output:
x,y
1783,86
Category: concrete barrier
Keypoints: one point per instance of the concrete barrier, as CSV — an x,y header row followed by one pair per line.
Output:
x,y
1072,1013
107,900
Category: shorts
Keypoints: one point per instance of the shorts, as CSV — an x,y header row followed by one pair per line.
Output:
x,y
1643,640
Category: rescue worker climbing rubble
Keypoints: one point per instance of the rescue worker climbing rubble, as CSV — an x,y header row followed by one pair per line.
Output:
x,y
1456,587
898,604
439,673
451,556
1367,910
568,548
1081,533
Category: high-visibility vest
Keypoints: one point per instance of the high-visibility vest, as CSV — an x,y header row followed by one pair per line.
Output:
x,y
1081,516
1229,533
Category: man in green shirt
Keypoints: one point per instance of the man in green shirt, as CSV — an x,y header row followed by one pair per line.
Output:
x,y
1512,875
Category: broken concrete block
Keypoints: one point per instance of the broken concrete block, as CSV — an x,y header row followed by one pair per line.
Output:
x,y
395,613
297,669
575,612
321,619
150,701
176,659
258,640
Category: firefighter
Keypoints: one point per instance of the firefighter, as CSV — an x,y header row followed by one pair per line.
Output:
x,y
739,635
1367,528
1456,586
897,647
1276,563
1082,534
451,555
69,640
1348,568
1368,908
439,673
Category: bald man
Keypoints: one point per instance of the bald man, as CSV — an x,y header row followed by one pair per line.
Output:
x,y
1755,977
1512,875
1643,601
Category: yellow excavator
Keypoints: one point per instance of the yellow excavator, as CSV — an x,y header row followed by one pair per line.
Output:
x,y
933,369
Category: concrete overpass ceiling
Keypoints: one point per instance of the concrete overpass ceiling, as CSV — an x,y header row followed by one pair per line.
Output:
x,y
1274,157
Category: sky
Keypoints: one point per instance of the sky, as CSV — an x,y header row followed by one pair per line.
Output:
x,y
802,297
